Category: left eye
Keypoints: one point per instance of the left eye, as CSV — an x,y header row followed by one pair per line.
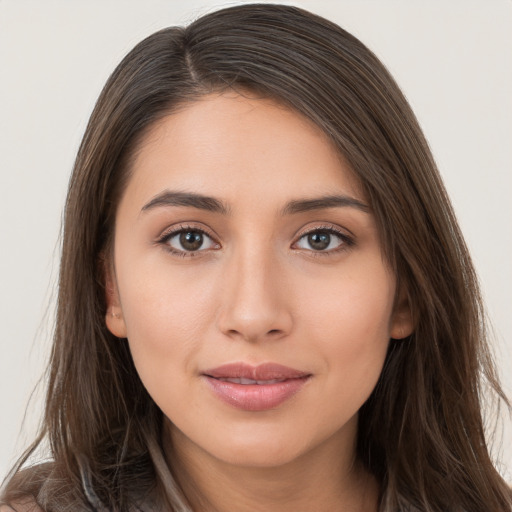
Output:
x,y
190,240
321,240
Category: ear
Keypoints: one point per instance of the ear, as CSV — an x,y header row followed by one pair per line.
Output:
x,y
114,315
402,319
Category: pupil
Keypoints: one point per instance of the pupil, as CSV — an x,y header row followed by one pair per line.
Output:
x,y
191,240
319,241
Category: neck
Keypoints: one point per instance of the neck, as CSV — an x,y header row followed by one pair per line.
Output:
x,y
318,480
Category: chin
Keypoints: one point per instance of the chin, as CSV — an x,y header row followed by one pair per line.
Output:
x,y
267,453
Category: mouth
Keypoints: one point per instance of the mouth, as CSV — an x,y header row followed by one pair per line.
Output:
x,y
245,382
255,388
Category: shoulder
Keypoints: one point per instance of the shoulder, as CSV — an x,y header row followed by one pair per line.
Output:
x,y
21,490
28,505
41,487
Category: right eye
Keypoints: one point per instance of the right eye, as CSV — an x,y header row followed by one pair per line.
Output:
x,y
184,241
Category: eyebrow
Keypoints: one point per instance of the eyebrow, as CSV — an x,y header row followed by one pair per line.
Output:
x,y
320,203
191,199
211,204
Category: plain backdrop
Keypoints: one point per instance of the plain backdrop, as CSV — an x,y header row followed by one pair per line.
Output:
x,y
453,60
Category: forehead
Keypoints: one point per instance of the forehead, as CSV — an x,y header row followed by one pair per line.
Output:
x,y
240,148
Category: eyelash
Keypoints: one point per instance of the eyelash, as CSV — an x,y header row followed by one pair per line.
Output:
x,y
183,228
346,241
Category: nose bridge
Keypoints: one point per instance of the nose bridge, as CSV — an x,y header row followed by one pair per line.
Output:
x,y
253,306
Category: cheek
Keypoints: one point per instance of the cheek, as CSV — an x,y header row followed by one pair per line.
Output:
x,y
354,304
167,315
350,319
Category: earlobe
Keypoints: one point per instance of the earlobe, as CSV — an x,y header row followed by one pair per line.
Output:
x,y
402,321
115,323
114,315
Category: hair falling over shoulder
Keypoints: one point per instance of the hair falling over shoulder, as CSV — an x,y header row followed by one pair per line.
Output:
x,y
421,433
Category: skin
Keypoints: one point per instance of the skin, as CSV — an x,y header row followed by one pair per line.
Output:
x,y
256,291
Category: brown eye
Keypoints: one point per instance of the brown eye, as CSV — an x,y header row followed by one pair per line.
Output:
x,y
189,240
319,241
323,240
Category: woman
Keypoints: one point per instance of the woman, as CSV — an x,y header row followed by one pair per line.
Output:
x,y
265,301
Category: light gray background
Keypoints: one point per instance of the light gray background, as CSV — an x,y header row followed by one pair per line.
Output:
x,y
452,59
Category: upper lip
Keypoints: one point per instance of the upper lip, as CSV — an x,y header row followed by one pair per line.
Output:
x,y
265,371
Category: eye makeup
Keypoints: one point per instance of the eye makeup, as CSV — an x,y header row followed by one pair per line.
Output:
x,y
193,240
189,240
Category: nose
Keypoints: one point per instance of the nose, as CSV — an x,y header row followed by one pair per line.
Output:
x,y
255,305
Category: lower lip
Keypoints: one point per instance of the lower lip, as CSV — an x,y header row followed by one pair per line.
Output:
x,y
256,397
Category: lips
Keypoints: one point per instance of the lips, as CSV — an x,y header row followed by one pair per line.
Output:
x,y
243,380
255,388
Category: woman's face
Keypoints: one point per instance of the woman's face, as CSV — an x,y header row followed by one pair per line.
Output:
x,y
249,280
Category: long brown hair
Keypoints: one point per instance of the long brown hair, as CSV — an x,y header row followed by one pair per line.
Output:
x,y
421,432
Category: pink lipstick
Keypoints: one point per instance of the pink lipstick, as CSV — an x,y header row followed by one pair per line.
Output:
x,y
255,388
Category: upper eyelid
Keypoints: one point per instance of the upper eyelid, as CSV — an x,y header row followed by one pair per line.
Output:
x,y
326,227
169,233
192,226
347,240
175,229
